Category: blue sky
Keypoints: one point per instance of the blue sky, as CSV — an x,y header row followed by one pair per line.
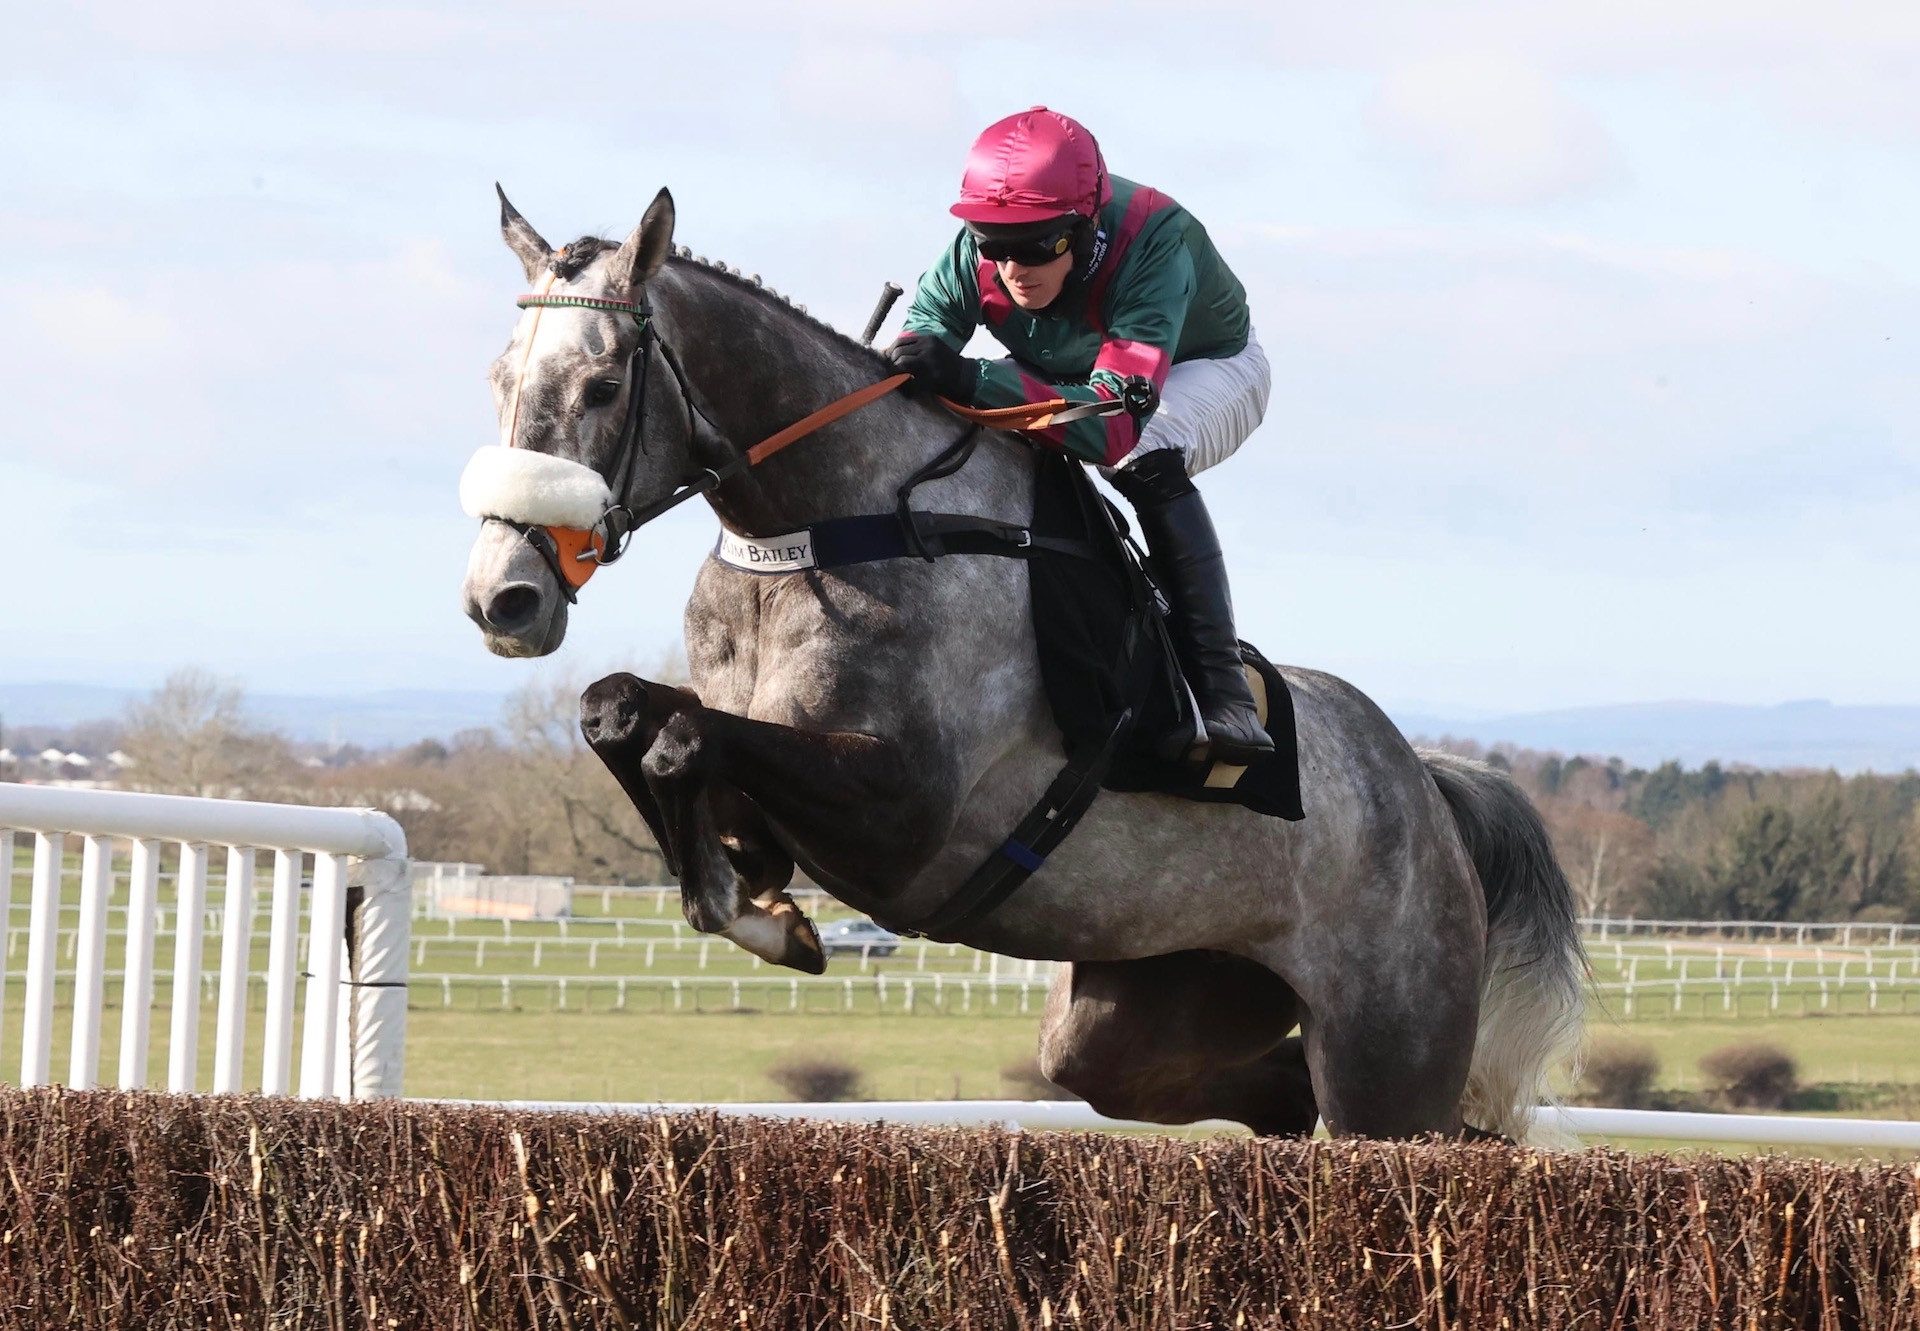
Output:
x,y
1594,326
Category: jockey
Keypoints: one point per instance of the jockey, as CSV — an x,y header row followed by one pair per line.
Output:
x,y
1103,289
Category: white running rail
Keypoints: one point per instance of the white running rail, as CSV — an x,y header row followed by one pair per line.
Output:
x,y
1844,933
1072,1115
354,1016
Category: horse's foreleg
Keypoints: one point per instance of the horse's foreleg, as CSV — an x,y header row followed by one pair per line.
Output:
x,y
755,854
620,726
710,776
732,876
848,798
768,922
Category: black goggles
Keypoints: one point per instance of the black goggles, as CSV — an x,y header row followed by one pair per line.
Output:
x,y
1029,251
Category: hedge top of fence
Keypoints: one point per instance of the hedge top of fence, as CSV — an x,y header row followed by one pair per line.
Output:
x,y
142,1209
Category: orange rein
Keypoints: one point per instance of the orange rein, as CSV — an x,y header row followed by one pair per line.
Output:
x,y
576,553
1025,416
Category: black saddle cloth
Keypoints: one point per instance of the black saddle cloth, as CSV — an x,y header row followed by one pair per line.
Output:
x,y
1080,613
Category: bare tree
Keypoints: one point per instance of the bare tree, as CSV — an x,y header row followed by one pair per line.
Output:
x,y
585,818
1606,854
191,736
530,797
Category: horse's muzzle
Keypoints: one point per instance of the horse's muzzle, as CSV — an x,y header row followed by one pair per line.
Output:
x,y
510,592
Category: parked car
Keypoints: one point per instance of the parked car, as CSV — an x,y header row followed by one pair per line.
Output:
x,y
861,936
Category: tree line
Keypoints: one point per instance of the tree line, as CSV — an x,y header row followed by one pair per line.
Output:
x,y
1717,842
528,796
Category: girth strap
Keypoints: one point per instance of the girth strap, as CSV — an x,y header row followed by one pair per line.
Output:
x,y
1020,856
1048,822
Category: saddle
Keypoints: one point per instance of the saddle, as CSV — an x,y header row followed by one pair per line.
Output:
x,y
1106,652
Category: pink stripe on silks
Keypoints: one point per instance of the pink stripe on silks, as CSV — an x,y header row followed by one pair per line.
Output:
x,y
1127,358
1144,204
995,304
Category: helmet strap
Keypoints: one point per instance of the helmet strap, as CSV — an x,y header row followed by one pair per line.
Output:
x,y
1089,248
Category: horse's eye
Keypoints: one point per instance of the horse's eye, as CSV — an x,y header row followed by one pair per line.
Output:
x,y
602,391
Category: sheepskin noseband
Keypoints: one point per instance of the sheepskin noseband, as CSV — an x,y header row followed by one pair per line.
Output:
x,y
520,485
557,505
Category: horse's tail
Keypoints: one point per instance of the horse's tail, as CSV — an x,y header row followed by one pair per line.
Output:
x,y
1533,996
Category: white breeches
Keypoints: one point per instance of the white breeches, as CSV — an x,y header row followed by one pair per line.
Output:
x,y
1209,407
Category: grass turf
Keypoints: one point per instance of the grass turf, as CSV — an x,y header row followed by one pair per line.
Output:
x,y
489,1046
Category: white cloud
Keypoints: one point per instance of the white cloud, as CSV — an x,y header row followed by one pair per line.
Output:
x,y
865,83
1493,128
91,322
246,376
1847,65
1426,380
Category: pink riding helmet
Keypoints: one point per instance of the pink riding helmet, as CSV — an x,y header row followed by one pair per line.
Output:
x,y
1032,166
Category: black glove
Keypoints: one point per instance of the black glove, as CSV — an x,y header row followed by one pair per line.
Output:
x,y
936,366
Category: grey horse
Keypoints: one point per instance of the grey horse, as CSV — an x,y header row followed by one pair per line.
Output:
x,y
883,726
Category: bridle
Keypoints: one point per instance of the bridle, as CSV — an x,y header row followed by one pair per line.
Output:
x,y
573,553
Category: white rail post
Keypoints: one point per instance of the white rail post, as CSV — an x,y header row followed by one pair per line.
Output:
x,y
343,1029
236,946
6,918
136,1003
283,941
326,945
190,908
380,972
89,963
36,1022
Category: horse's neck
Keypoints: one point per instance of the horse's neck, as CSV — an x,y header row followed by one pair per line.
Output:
x,y
755,366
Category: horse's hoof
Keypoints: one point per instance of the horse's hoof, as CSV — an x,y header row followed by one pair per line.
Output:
x,y
804,950
677,751
613,709
776,930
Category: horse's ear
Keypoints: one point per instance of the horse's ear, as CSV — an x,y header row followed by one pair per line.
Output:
x,y
522,239
647,248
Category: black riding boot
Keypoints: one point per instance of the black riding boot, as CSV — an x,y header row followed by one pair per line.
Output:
x,y
1193,574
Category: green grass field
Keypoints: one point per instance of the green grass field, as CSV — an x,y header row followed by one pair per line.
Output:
x,y
932,1022
626,1056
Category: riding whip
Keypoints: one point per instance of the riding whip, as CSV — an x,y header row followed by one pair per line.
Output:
x,y
888,294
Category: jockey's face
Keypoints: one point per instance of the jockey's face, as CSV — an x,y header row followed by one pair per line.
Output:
x,y
1038,286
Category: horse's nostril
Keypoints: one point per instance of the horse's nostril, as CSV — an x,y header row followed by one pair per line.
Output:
x,y
514,607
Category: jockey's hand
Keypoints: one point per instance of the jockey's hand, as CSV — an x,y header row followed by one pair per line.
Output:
x,y
936,366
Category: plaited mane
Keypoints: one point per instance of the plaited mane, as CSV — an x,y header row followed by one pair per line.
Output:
x,y
570,260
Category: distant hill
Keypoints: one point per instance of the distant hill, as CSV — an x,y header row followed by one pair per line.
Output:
x,y
1795,734
391,716
1812,734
